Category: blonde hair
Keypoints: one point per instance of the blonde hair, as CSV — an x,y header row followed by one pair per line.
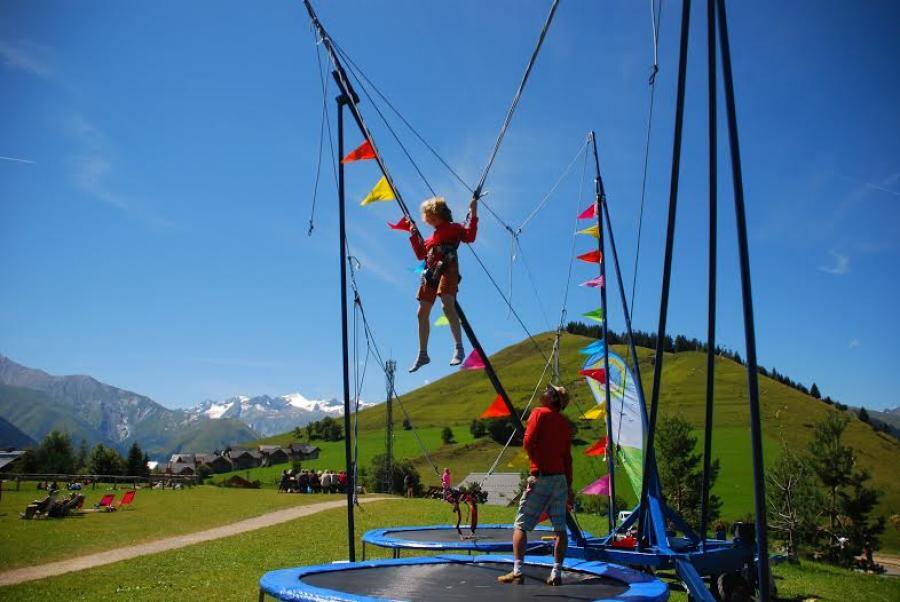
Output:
x,y
436,206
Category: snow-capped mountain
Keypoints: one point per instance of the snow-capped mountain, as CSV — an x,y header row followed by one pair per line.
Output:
x,y
269,415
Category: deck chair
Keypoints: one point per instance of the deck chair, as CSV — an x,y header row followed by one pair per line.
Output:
x,y
126,500
105,502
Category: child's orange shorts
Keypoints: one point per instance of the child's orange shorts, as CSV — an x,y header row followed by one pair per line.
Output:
x,y
447,285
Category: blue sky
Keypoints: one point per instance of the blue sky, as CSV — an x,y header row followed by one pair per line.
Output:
x,y
157,164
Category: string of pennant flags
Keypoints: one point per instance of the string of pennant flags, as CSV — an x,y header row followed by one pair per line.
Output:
x,y
382,191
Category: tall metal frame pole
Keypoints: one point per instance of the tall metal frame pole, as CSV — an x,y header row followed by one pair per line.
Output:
x,y
345,353
610,447
390,367
711,299
759,489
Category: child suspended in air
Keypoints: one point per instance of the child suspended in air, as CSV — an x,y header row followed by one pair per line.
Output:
x,y
441,277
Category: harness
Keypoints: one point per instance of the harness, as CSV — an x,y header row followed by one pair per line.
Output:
x,y
437,264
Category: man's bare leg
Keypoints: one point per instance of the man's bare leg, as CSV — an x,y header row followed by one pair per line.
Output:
x,y
520,543
559,554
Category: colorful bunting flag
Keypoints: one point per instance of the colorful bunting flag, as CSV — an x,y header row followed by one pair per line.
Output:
x,y
381,192
403,224
592,257
442,321
596,315
598,374
598,448
543,517
589,213
497,409
363,152
419,268
594,282
591,231
595,413
473,362
594,348
598,487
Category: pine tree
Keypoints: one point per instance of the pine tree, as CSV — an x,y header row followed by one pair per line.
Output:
x,y
863,415
55,454
793,502
135,465
447,436
832,462
105,461
814,391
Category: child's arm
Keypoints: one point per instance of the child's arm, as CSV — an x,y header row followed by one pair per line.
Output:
x,y
418,245
470,229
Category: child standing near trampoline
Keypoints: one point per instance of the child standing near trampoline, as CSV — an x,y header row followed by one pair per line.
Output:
x,y
548,441
441,277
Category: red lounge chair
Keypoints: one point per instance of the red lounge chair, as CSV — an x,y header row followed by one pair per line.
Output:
x,y
106,501
126,500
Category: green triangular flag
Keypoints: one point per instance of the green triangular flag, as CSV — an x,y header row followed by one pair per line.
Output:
x,y
596,315
442,321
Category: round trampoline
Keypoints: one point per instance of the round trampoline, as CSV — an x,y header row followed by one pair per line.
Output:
x,y
488,538
455,578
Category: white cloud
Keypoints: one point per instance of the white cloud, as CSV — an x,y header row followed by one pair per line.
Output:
x,y
839,267
26,56
18,160
854,343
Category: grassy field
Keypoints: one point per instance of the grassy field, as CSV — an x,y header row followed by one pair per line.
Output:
x,y
155,514
788,418
230,568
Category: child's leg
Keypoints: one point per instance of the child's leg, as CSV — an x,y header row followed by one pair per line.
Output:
x,y
424,316
449,303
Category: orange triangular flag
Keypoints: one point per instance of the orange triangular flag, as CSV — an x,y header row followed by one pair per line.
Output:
x,y
592,257
497,409
363,151
598,448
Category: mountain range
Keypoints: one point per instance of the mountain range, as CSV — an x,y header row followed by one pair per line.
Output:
x,y
33,403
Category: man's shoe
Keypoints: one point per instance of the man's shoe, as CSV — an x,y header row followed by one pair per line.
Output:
x,y
420,361
458,357
554,579
512,577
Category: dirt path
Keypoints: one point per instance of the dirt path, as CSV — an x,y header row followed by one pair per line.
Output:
x,y
89,561
891,563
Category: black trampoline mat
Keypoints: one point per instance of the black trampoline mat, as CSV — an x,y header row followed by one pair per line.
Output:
x,y
451,535
463,582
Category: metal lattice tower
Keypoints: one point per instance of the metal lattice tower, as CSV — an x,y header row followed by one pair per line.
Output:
x,y
389,367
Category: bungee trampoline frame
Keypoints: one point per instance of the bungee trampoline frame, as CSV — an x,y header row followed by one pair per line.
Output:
x,y
392,539
692,555
287,584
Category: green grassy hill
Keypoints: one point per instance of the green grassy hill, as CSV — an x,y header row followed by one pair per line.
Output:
x,y
788,415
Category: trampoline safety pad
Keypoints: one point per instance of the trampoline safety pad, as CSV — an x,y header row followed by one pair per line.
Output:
x,y
487,538
453,578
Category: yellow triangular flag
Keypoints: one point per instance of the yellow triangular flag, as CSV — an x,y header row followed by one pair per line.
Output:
x,y
592,231
595,413
381,192
442,321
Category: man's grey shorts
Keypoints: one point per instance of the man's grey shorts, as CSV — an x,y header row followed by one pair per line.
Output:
x,y
548,494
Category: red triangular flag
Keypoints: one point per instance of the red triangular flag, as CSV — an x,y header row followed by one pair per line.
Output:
x,y
598,374
497,409
364,151
592,257
403,224
589,213
598,448
473,362
544,516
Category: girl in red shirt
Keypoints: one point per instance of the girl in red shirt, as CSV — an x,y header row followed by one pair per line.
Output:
x,y
441,277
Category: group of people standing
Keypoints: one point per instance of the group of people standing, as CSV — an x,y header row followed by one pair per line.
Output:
x,y
311,481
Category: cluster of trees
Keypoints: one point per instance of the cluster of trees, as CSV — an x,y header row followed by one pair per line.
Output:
x,y
682,343
389,479
57,455
326,429
820,502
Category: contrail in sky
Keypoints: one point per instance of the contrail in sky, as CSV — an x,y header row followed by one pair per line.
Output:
x,y
29,162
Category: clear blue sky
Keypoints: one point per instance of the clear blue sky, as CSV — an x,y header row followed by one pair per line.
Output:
x,y
158,162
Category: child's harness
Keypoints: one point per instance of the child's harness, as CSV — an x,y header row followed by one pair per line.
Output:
x,y
439,263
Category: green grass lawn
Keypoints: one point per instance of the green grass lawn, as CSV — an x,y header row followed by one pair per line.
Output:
x,y
230,568
154,515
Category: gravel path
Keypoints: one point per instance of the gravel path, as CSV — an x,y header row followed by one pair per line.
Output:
x,y
89,561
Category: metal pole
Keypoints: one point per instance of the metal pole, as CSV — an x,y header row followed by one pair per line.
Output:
x,y
650,456
759,484
351,485
610,445
711,302
390,367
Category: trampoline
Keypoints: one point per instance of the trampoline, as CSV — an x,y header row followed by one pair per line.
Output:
x,y
488,538
455,578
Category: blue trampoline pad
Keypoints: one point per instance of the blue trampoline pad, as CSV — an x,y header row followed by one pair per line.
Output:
x,y
455,578
487,538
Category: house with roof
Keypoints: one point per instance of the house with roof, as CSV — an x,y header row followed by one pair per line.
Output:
x,y
180,468
242,459
273,454
216,463
8,457
502,488
298,451
183,458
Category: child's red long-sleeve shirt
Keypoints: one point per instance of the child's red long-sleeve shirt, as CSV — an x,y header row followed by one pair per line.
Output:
x,y
448,233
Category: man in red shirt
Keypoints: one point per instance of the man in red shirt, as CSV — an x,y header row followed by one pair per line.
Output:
x,y
548,441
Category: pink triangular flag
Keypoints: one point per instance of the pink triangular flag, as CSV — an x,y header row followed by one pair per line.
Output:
x,y
598,487
589,213
473,362
594,282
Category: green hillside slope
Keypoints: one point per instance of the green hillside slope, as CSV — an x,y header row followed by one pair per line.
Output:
x,y
788,415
